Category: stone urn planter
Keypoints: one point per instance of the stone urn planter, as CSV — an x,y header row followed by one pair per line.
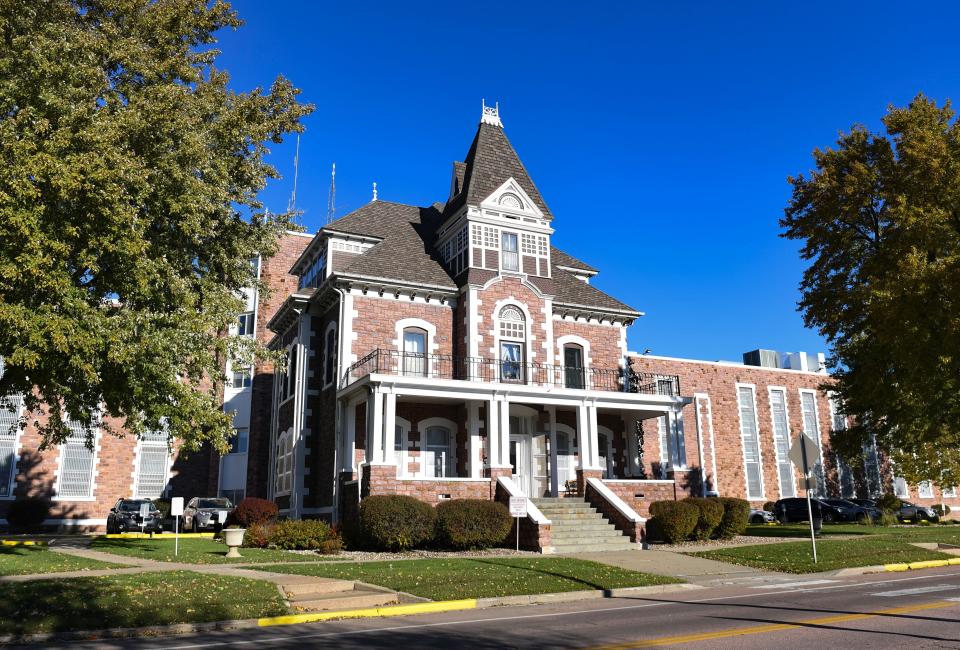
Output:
x,y
233,538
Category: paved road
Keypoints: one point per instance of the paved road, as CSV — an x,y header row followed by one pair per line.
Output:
x,y
915,610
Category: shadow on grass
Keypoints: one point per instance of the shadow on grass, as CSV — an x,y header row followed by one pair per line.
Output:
x,y
803,531
571,575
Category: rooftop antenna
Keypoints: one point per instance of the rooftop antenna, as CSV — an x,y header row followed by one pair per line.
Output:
x,y
332,196
374,190
292,203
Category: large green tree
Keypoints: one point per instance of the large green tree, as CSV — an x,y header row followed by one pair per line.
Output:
x,y
879,219
129,174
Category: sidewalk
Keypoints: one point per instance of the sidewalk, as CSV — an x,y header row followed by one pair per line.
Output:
x,y
696,570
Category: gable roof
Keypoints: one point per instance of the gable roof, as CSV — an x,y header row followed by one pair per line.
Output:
x,y
406,253
559,258
571,291
490,162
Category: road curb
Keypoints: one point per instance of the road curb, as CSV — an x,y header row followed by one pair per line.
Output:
x,y
23,542
897,567
372,612
157,536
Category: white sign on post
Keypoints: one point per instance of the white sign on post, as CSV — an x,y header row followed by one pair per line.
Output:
x,y
176,510
804,453
144,513
518,509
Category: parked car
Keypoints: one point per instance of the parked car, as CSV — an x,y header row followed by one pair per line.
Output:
x,y
794,509
125,516
761,516
870,506
203,513
912,512
846,510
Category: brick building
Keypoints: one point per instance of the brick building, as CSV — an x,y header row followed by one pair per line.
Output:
x,y
451,351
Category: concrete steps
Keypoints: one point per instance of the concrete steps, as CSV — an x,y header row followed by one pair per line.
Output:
x,y
578,527
312,594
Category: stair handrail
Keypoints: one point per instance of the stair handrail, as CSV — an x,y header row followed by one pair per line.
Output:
x,y
533,512
619,504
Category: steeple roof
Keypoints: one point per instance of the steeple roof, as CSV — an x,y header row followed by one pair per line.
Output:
x,y
490,162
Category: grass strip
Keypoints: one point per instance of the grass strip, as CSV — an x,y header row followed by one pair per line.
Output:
x,y
139,600
197,551
458,578
796,557
26,560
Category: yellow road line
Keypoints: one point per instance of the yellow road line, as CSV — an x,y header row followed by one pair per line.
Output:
x,y
773,627
395,610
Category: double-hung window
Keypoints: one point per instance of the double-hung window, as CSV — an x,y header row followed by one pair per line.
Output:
x,y
153,460
781,442
808,406
245,324
239,440
925,490
242,377
509,253
414,351
750,437
77,462
513,332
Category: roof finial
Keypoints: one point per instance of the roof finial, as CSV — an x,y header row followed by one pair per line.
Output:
x,y
374,190
490,114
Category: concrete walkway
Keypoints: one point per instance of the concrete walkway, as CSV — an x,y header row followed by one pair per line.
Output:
x,y
696,570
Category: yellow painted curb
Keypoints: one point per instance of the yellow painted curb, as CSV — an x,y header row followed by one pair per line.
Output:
x,y
25,542
395,610
157,536
926,564
896,567
954,561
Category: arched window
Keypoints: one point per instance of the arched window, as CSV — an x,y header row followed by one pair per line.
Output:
x,y
330,357
414,351
573,365
513,332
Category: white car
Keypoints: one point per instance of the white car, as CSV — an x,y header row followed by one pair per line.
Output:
x,y
206,513
761,517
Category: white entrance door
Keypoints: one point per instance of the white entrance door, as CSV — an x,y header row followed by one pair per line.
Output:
x,y
520,461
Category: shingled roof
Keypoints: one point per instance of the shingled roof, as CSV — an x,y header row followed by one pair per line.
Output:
x,y
490,162
406,253
571,291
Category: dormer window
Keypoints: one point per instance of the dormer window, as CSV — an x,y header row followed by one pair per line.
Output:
x,y
510,253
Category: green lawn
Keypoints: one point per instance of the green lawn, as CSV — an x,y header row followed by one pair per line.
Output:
x,y
24,560
796,557
934,533
132,601
452,579
196,551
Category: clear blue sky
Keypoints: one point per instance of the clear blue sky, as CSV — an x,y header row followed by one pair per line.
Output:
x,y
660,134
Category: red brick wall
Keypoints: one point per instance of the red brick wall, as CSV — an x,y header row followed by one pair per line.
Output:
x,y
719,382
605,351
376,324
512,289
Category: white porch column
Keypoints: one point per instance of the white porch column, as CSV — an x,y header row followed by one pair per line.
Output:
x,y
389,427
493,433
633,452
475,465
587,436
375,427
554,479
504,433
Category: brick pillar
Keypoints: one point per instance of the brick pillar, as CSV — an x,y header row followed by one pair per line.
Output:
x,y
583,475
494,473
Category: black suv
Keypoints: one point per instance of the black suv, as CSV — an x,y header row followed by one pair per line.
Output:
x,y
125,516
846,510
794,509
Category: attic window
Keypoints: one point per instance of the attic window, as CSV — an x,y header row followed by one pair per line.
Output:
x,y
511,201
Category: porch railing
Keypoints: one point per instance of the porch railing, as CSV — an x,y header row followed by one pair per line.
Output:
x,y
446,366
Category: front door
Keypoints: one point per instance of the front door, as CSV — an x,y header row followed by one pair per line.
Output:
x,y
520,461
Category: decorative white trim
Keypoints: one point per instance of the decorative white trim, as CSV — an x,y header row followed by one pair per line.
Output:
x,y
422,426
562,341
727,364
816,420
743,449
17,446
615,501
529,336
511,188
773,436
94,471
402,458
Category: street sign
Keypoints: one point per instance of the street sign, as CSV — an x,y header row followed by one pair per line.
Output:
x,y
176,511
518,506
144,510
176,506
797,450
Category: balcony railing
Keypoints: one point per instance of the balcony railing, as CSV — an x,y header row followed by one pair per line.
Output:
x,y
498,371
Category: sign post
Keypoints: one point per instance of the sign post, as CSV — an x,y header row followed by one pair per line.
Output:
x,y
176,509
518,509
801,452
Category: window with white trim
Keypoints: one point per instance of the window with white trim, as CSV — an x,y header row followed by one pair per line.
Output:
x,y
245,324
316,272
925,490
513,333
750,436
455,251
872,469
811,427
77,462
949,492
900,489
153,462
10,407
239,440
781,442
414,351
510,255
440,460
242,377
283,482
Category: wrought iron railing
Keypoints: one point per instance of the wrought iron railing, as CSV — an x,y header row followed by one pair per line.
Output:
x,y
446,366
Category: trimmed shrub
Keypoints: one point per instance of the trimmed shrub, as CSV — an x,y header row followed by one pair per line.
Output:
x,y
472,523
253,511
710,515
163,505
770,506
257,536
673,521
28,514
889,503
300,534
736,516
396,522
